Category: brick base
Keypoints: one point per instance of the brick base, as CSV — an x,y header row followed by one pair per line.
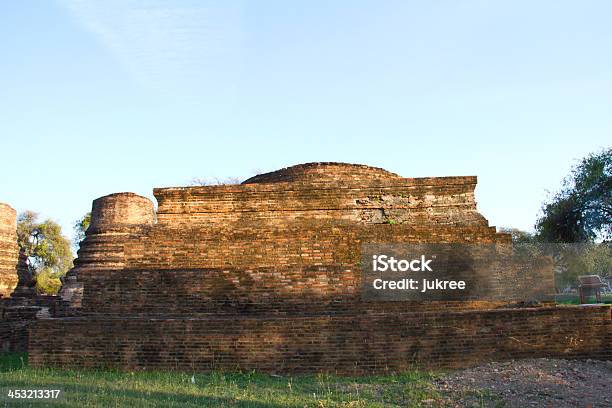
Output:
x,y
342,344
14,323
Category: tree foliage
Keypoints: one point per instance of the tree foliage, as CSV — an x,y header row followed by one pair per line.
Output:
x,y
582,210
80,226
583,259
48,251
570,260
519,236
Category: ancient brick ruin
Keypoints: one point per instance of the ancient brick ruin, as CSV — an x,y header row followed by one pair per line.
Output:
x,y
9,251
265,275
19,304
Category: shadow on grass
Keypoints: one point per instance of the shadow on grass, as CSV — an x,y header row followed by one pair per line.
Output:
x,y
13,361
86,396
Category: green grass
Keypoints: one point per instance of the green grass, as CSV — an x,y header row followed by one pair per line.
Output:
x,y
574,299
106,388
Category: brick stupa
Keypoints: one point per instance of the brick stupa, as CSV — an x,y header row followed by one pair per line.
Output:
x,y
17,293
9,251
265,275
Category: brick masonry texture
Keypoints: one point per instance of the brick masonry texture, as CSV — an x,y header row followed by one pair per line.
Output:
x,y
353,344
9,251
265,275
18,302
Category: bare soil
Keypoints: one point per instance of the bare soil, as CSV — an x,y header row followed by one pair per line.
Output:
x,y
529,383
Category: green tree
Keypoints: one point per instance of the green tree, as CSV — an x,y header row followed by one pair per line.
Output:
x,y
48,251
582,210
80,226
519,236
584,259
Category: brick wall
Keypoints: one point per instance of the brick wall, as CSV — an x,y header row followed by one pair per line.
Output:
x,y
15,321
438,201
19,304
354,344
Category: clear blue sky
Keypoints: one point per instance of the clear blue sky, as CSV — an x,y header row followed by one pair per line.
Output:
x,y
99,97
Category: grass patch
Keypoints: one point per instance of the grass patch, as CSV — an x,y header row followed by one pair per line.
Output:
x,y
102,388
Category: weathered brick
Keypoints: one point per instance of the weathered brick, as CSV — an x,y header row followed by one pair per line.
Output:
x,y
9,251
265,275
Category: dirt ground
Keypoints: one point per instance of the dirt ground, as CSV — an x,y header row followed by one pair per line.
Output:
x,y
529,383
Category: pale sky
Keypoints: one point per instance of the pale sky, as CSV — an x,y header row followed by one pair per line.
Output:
x,y
99,97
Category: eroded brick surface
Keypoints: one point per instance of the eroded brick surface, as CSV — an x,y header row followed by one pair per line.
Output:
x,y
351,344
265,275
19,304
9,251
